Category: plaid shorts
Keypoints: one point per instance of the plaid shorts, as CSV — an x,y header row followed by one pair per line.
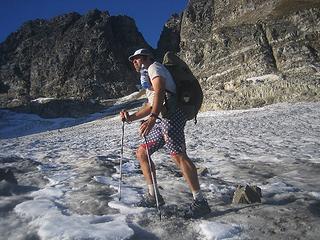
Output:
x,y
168,132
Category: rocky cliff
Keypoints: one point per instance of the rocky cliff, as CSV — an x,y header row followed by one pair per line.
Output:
x,y
69,57
251,52
245,53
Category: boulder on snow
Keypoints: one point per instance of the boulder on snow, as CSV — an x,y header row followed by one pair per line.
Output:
x,y
202,171
247,194
7,175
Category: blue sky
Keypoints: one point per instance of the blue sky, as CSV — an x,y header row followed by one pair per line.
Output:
x,y
150,15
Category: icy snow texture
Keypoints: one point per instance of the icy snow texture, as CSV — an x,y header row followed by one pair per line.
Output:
x,y
275,147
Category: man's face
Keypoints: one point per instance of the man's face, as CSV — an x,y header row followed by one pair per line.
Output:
x,y
137,63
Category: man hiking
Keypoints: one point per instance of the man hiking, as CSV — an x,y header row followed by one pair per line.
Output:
x,y
167,130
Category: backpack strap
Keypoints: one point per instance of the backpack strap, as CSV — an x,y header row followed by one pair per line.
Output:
x,y
167,102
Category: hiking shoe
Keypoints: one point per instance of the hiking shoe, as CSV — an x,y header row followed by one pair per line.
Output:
x,y
198,209
149,201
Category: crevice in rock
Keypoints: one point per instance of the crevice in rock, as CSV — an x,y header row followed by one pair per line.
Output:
x,y
268,45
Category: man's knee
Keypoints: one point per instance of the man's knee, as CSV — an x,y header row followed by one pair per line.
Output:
x,y
179,156
141,153
181,159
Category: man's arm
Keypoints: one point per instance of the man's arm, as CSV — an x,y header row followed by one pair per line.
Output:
x,y
158,84
141,113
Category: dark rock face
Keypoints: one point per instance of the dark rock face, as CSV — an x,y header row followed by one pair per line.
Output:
x,y
70,56
245,53
252,53
170,36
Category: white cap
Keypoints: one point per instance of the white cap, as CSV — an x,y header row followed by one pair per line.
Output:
x,y
142,51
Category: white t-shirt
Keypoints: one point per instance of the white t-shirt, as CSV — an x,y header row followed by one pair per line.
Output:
x,y
156,69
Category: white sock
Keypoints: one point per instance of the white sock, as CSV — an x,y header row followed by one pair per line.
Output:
x,y
197,195
151,189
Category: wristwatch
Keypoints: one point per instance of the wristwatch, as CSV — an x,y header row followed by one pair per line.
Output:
x,y
154,115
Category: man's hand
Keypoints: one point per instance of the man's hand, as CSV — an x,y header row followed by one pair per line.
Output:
x,y
125,117
146,126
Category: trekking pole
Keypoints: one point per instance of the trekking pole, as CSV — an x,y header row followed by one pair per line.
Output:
x,y
152,177
121,160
